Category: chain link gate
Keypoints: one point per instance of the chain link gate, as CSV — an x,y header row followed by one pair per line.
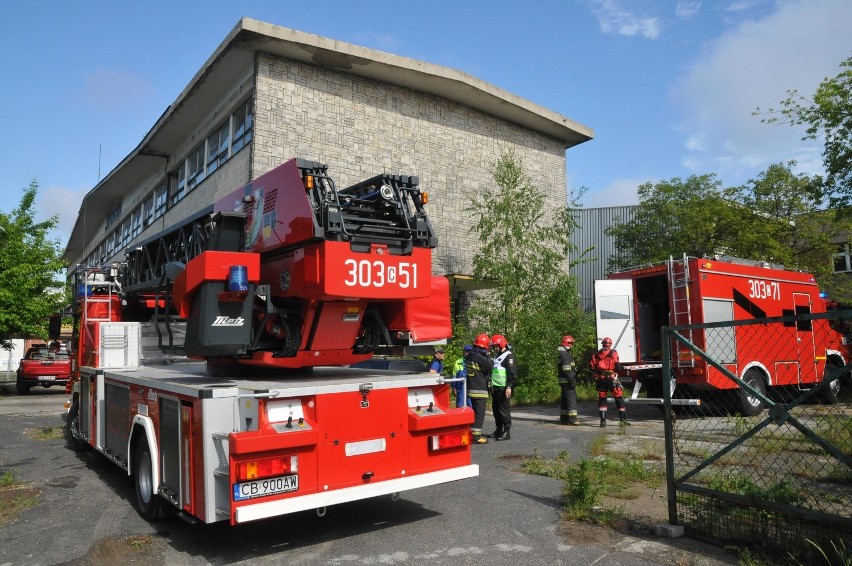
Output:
x,y
756,464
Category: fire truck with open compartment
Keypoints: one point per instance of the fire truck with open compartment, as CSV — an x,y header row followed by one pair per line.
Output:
x,y
632,305
210,364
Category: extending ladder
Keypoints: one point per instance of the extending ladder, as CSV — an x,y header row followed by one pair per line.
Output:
x,y
681,307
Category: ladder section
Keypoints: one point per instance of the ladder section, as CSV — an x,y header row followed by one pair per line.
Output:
x,y
681,306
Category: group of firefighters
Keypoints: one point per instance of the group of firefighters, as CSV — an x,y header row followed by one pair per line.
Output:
x,y
489,369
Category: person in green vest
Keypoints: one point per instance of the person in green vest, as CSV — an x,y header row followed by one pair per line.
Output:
x,y
504,375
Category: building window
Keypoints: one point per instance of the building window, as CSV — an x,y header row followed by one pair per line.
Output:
x,y
125,233
842,262
178,183
217,147
136,222
161,196
243,120
148,210
195,165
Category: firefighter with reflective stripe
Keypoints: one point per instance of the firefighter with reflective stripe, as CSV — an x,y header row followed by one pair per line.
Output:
x,y
479,366
566,369
503,379
604,364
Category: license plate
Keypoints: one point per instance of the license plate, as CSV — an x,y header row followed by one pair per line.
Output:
x,y
47,378
262,488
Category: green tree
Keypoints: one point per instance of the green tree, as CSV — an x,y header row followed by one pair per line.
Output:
x,y
675,217
522,259
772,218
827,116
29,266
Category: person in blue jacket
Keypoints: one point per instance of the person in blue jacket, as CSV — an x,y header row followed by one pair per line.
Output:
x,y
460,372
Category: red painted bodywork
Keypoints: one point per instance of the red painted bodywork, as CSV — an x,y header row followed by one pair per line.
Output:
x,y
791,355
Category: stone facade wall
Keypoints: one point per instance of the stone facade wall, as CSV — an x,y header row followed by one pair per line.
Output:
x,y
361,127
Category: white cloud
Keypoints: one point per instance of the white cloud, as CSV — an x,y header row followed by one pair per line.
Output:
x,y
63,202
621,192
114,90
751,66
614,18
687,10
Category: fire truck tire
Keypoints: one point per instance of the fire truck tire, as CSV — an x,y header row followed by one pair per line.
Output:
x,y
831,393
72,425
368,337
151,506
750,405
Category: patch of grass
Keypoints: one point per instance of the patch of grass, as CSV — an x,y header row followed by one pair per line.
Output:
x,y
588,480
139,541
10,477
45,433
15,496
599,444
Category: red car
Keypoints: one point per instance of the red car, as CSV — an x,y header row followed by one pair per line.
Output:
x,y
43,366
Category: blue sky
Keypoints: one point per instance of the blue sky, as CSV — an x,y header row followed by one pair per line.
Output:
x,y
668,86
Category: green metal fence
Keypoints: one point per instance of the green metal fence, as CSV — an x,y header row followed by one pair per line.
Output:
x,y
758,464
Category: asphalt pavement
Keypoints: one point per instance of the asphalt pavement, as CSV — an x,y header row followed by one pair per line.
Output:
x,y
502,517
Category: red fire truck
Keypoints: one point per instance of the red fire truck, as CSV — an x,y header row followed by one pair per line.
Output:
x,y
198,360
631,307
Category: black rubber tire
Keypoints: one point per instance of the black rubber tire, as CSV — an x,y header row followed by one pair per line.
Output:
x,y
23,389
150,505
369,336
751,406
72,424
830,394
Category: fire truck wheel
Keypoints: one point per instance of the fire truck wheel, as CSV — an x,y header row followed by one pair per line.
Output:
x,y
831,392
368,336
150,504
72,425
750,405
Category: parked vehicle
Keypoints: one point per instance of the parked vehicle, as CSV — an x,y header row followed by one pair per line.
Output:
x,y
632,306
44,366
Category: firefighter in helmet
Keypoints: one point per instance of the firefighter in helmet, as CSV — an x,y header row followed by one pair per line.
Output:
x,y
566,369
503,379
479,366
604,364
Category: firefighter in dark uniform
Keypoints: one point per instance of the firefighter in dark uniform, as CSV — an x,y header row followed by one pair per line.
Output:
x,y
566,369
604,364
479,366
504,376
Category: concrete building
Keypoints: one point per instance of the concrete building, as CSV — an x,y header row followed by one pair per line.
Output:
x,y
268,94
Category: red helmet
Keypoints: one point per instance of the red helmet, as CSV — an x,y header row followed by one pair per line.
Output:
x,y
483,341
567,340
606,342
499,340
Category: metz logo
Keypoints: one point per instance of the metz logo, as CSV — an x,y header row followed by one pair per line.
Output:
x,y
228,321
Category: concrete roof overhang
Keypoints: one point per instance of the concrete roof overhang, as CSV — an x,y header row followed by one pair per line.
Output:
x,y
235,55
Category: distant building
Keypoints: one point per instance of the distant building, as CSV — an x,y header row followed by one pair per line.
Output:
x,y
269,93
591,236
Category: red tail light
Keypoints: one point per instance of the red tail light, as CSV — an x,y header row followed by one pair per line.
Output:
x,y
450,440
266,467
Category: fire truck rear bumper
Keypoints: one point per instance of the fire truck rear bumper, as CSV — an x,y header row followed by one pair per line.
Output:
x,y
318,500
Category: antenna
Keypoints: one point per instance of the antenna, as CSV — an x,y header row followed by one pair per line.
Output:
x,y
99,163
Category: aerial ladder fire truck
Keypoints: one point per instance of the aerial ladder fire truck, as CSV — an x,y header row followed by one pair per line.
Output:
x,y
631,307
211,364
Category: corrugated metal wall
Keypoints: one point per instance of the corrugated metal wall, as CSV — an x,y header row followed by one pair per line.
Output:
x,y
591,234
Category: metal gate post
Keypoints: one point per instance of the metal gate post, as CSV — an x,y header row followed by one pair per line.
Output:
x,y
668,423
